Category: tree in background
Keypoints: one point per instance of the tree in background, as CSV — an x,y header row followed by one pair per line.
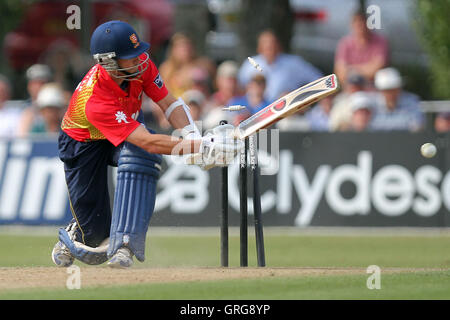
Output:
x,y
434,28
10,14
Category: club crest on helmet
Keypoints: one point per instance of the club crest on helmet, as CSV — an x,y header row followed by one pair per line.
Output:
x,y
134,40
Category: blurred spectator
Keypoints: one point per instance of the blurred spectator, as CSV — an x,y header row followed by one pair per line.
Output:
x,y
341,113
227,89
319,116
442,122
195,99
177,71
361,104
226,84
201,81
52,105
395,108
253,99
9,111
66,63
362,51
37,76
284,72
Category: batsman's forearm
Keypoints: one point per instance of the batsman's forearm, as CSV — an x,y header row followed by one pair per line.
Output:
x,y
164,144
161,143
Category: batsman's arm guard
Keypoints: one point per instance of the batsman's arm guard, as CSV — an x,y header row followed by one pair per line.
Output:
x,y
86,254
134,200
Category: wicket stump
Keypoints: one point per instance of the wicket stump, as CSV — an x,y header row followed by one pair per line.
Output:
x,y
251,148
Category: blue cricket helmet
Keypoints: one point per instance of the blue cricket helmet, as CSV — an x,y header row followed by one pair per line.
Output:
x,y
118,37
114,40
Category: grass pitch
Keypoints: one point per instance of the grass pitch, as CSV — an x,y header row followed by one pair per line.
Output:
x,y
184,265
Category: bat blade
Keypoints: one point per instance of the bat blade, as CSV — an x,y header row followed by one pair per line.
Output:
x,y
288,105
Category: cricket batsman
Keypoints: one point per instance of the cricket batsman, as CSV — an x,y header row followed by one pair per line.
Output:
x,y
103,126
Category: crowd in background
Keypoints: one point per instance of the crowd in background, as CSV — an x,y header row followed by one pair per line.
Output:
x,y
372,95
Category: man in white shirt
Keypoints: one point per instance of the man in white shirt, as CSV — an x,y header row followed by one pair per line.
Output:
x,y
395,109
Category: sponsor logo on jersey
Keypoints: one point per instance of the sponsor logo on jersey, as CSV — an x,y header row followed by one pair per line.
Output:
x,y
158,81
121,117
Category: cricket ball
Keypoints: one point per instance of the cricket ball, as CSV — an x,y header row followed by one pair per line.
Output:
x,y
428,150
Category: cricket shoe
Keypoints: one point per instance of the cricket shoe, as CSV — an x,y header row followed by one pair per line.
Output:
x,y
123,259
61,255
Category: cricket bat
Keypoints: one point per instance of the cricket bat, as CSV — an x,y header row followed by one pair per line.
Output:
x,y
287,105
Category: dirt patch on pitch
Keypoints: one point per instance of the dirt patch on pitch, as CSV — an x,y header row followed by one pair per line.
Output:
x,y
51,277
